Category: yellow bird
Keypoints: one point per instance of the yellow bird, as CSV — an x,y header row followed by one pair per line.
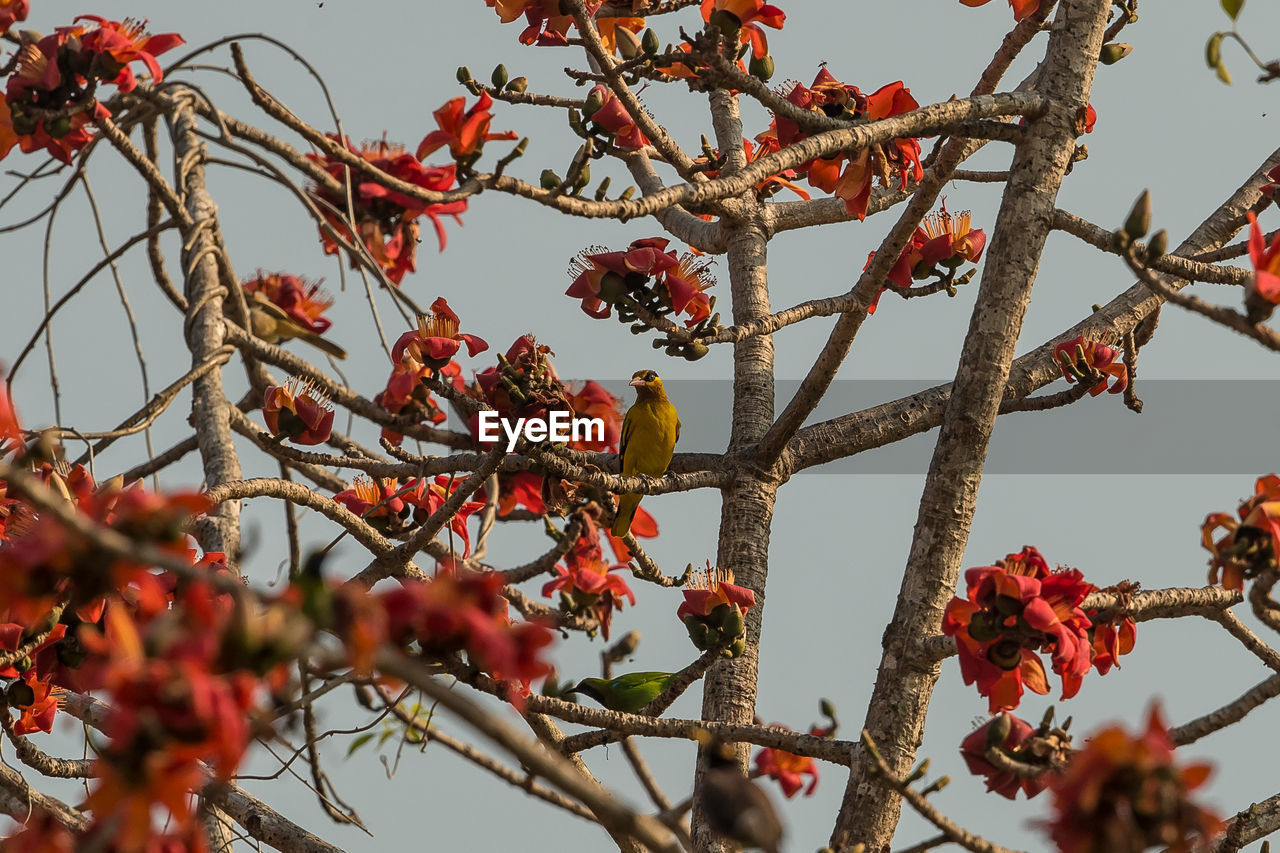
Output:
x,y
274,325
649,435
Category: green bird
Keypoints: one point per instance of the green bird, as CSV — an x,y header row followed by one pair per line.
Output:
x,y
628,693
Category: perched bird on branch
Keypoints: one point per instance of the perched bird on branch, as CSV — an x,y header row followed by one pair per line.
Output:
x,y
274,325
649,435
731,803
628,693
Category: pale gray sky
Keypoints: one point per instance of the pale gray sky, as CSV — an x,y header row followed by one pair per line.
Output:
x,y
839,541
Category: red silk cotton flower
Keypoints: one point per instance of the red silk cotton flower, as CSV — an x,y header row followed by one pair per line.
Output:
x,y
1081,359
1251,543
1006,733
1021,8
436,339
714,608
298,411
1012,611
1124,794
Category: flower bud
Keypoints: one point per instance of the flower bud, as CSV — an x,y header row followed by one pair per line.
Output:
x,y
628,42
761,67
999,730
1114,52
627,193
695,350
1139,220
649,41
499,76
738,649
1158,245
594,101
725,21
464,74
549,179
518,85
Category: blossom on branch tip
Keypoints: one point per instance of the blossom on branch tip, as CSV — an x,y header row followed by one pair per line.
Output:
x,y
714,610
1252,539
1021,8
745,17
464,132
298,411
1082,359
1262,293
436,340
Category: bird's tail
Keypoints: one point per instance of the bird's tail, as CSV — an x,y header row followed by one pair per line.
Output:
x,y
626,511
325,345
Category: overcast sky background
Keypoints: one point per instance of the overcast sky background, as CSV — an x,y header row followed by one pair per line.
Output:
x,y
839,539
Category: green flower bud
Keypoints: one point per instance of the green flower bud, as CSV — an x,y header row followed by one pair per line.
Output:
x,y
20,694
518,85
584,177
1158,245
739,648
649,41
499,76
727,22
761,67
593,102
695,350
1139,220
464,74
999,730
549,180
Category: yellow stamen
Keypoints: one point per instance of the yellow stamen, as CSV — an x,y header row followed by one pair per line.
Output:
x,y
709,578
433,325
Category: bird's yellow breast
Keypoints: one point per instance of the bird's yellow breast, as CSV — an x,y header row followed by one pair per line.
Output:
x,y
650,433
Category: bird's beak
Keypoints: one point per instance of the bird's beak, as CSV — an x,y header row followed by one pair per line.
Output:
x,y
637,382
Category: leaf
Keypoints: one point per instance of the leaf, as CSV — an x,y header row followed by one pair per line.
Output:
x,y
1213,57
1232,8
359,742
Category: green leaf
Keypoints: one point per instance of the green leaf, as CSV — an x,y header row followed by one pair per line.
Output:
x,y
1232,8
359,742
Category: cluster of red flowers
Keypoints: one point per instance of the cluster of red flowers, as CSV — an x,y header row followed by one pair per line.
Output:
x,y
1082,359
393,509
453,613
1011,736
656,279
1124,794
49,100
848,175
1250,544
385,219
941,243
1018,608
547,25
587,582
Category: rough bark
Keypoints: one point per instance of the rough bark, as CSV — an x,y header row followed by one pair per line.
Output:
x,y
220,530
900,700
746,512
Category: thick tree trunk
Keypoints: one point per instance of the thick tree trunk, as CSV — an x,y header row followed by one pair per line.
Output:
x,y
900,701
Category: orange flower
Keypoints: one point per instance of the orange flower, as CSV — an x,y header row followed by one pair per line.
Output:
x,y
1011,611
426,496
1021,8
748,15
788,769
1123,794
436,340
609,115
12,11
686,286
591,585
1003,782
593,400
114,44
377,502
464,132
298,411
1263,292
547,25
1079,359
1251,544
714,608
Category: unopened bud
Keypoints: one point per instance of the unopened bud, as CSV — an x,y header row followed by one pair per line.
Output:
x,y
725,21
550,180
602,189
1114,52
827,708
695,350
594,101
761,67
649,41
998,730
584,177
628,42
1139,220
518,85
499,76
1158,245
464,74
627,193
